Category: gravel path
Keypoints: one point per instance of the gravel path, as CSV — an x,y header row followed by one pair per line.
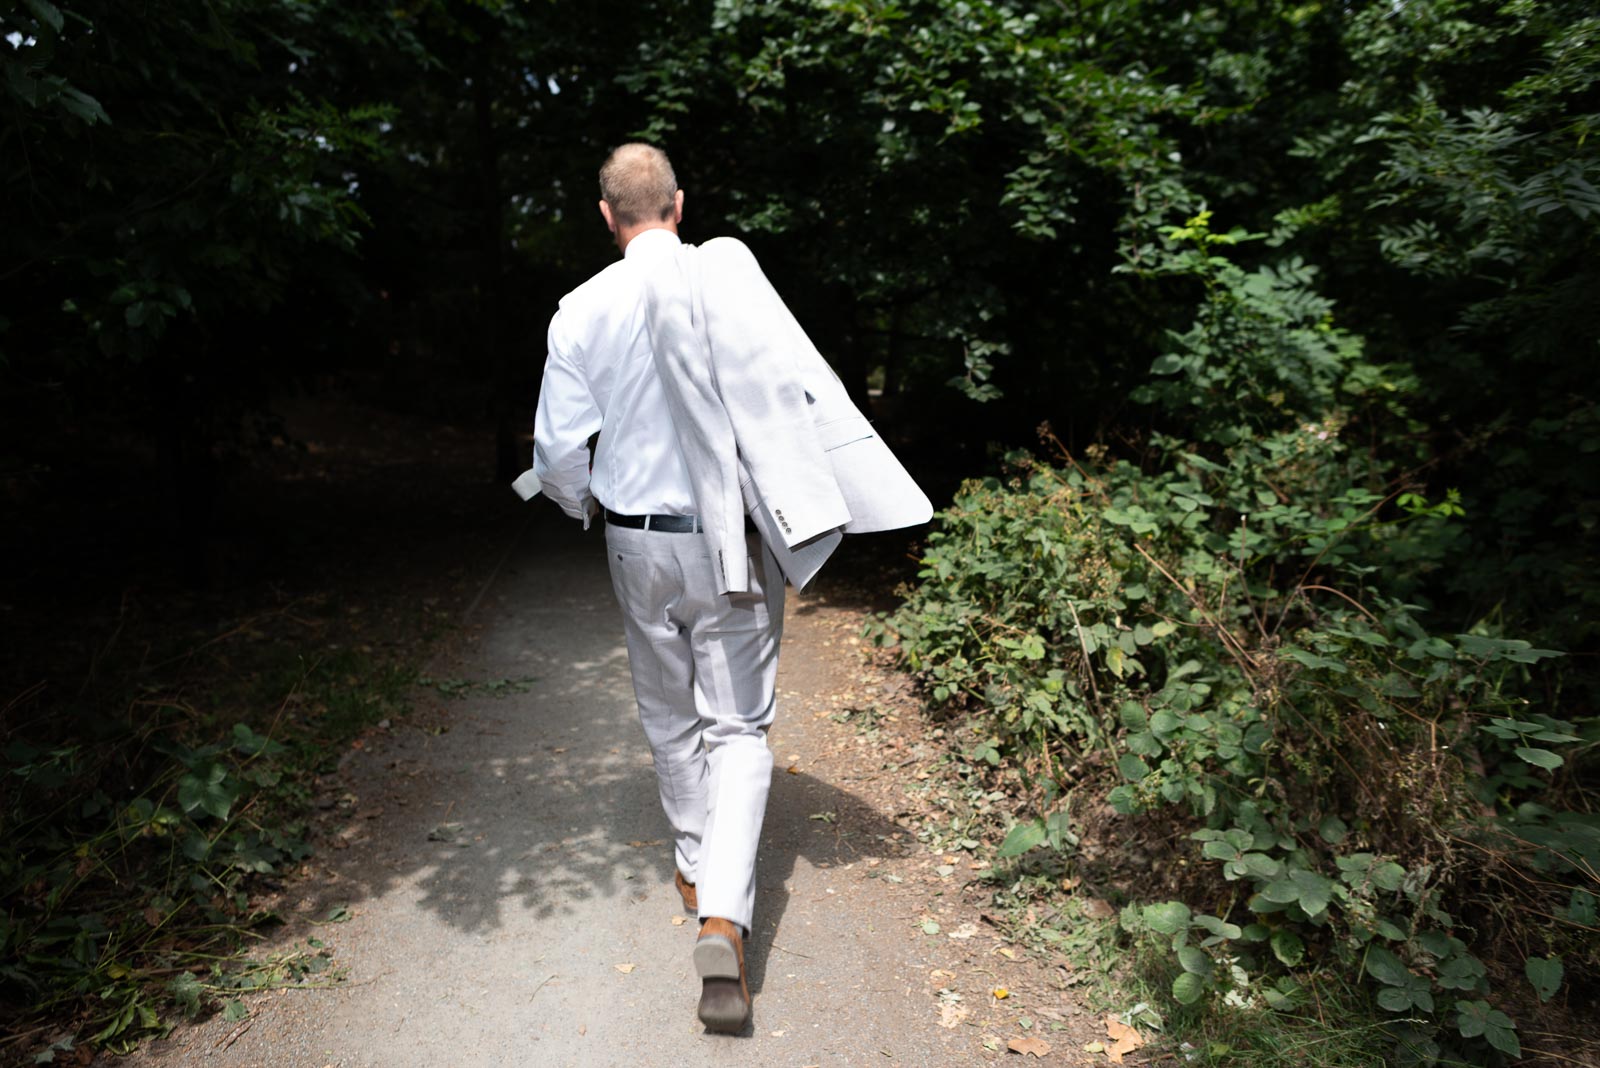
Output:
x,y
509,878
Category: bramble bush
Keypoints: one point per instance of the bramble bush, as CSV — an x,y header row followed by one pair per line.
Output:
x,y
1228,622
100,885
134,844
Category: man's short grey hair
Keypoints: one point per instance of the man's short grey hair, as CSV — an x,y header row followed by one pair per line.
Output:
x,y
637,181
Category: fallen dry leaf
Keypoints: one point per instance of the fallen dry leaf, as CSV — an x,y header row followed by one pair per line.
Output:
x,y
679,921
793,769
1124,1039
1000,993
951,1014
1094,1047
623,968
1034,1047
644,843
966,930
1098,909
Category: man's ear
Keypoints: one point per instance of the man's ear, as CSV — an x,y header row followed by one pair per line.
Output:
x,y
611,222
677,202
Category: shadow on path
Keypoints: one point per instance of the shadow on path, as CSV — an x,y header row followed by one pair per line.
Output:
x,y
510,877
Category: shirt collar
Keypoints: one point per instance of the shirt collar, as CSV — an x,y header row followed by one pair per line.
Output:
x,y
649,242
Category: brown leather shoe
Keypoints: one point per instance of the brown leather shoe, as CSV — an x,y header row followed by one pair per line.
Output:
x,y
691,903
724,995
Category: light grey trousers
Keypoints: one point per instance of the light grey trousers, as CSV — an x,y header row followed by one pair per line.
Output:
x,y
704,669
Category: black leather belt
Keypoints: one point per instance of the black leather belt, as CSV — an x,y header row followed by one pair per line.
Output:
x,y
666,524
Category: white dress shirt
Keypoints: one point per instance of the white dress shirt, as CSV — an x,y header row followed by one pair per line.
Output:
x,y
600,375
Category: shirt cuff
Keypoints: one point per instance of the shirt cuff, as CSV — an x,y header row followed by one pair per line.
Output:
x,y
526,485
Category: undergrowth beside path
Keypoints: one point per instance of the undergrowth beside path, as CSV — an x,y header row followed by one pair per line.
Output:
x,y
1358,834
1374,822
165,746
136,843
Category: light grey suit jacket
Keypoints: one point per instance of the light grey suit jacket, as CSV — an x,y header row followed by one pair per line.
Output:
x,y
766,427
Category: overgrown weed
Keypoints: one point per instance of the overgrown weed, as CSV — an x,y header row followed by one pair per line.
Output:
x,y
145,812
1230,634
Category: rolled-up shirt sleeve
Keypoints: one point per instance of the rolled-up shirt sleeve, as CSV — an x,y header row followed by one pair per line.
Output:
x,y
566,419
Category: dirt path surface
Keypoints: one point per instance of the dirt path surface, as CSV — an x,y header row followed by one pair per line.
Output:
x,y
507,872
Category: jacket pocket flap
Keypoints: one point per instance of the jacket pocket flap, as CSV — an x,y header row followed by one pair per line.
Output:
x,y
837,432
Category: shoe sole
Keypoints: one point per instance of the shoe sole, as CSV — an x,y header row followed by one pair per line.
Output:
x,y
715,958
723,1008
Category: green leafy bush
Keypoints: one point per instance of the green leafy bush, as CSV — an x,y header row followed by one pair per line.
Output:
x,y
1217,628
130,849
99,885
1354,778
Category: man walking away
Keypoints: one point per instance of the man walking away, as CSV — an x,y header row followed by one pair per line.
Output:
x,y
634,354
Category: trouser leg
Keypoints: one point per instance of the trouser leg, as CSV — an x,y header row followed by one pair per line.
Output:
x,y
734,643
704,669
662,667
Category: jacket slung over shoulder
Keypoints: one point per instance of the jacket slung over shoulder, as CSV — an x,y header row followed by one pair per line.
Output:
x,y
806,464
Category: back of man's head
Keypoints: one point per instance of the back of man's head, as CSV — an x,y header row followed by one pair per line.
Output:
x,y
637,181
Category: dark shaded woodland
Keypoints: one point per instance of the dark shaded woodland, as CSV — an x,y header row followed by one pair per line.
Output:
x,y
1272,326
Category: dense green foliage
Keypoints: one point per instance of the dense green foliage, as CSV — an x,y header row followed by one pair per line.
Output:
x,y
1229,629
1307,291
1332,756
129,848
1459,151
944,190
